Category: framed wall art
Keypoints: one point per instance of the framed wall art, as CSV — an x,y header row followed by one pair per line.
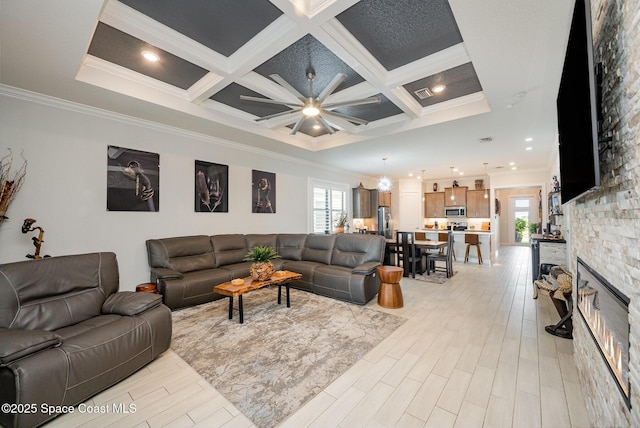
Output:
x,y
133,180
211,185
263,191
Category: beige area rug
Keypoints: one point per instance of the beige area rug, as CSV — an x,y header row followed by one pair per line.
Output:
x,y
280,357
439,277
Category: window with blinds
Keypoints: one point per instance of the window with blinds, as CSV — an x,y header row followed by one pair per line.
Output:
x,y
329,202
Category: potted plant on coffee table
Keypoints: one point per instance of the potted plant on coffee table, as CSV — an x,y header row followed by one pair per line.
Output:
x,y
262,268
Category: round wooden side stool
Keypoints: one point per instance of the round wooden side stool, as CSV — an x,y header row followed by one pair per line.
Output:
x,y
390,293
147,287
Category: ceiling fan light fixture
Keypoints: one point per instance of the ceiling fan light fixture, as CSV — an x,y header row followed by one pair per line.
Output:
x,y
310,110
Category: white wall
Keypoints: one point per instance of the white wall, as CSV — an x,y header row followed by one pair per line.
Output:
x,y
65,188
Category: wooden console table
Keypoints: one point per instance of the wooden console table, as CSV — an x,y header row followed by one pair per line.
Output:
x,y
231,290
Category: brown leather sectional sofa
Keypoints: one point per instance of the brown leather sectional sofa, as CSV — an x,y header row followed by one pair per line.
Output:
x,y
340,266
66,333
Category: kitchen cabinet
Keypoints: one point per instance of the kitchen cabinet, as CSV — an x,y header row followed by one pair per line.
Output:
x,y
459,196
384,199
477,205
434,204
361,203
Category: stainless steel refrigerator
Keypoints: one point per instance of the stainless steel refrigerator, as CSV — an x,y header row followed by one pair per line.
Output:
x,y
384,220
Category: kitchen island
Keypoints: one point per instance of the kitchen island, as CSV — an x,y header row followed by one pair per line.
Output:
x,y
484,236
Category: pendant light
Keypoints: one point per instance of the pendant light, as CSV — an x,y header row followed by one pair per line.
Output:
x,y
486,191
384,182
453,197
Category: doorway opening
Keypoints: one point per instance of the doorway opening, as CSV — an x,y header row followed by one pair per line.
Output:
x,y
521,220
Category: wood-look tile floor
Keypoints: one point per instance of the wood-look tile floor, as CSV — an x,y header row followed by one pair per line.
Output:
x,y
473,353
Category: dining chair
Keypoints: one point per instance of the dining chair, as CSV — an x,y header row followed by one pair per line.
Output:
x,y
408,253
446,257
444,236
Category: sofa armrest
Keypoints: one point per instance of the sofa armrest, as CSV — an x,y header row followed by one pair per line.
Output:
x,y
367,268
164,273
16,344
128,303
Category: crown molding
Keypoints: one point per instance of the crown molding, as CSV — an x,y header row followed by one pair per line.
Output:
x,y
59,103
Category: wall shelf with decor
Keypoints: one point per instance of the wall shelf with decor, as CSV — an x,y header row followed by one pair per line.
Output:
x,y
555,204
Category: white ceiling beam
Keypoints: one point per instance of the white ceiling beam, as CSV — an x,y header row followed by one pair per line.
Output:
x,y
151,31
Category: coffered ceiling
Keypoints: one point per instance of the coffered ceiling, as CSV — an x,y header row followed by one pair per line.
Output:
x,y
499,63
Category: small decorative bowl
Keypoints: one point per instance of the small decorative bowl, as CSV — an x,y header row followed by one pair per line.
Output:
x,y
237,281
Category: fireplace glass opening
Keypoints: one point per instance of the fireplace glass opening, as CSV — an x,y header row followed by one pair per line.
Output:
x,y
605,311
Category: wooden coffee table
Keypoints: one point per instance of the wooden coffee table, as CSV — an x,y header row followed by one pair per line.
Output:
x,y
280,278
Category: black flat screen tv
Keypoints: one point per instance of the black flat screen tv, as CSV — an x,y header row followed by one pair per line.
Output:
x,y
578,105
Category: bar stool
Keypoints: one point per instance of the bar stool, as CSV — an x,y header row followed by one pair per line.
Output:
x,y
472,239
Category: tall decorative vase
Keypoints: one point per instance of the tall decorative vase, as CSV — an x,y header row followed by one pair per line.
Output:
x,y
261,271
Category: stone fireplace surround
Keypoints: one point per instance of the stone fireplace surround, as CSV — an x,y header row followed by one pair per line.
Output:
x,y
602,227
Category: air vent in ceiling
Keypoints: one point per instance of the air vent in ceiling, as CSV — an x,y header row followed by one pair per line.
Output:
x,y
486,140
423,93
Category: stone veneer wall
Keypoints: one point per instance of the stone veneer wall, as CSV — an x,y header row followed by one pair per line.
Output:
x,y
604,226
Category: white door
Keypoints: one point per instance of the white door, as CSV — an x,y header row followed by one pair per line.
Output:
x,y
523,212
410,211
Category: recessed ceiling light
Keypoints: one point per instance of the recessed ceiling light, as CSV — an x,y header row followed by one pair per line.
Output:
x,y
512,163
438,88
150,56
528,139
411,174
461,173
455,169
513,168
528,148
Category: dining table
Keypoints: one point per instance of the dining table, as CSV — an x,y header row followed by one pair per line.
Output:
x,y
392,247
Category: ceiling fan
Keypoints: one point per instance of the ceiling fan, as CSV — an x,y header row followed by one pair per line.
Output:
x,y
311,107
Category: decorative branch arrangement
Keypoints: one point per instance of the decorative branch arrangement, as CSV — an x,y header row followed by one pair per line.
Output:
x,y
10,183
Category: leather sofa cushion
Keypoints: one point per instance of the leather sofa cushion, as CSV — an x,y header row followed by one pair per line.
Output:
x,y
114,351
182,254
54,292
229,249
318,248
129,303
291,245
19,343
254,240
355,250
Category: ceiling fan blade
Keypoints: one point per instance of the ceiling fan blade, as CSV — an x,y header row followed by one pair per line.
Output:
x,y
332,86
297,125
288,87
346,117
284,113
325,124
361,101
267,101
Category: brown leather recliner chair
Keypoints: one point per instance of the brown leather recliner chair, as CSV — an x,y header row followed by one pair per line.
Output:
x,y
66,333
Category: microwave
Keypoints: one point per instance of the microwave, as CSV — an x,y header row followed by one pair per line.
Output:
x,y
455,211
